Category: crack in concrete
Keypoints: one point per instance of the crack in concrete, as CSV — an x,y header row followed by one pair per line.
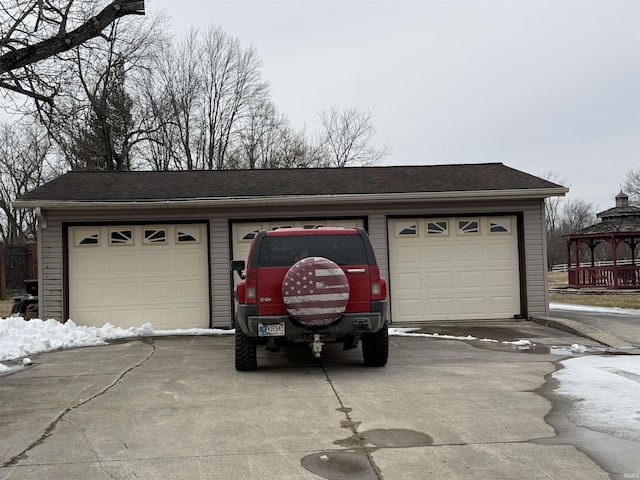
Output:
x,y
92,448
15,460
357,440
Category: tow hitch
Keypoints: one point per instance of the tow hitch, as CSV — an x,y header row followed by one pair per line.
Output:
x,y
316,346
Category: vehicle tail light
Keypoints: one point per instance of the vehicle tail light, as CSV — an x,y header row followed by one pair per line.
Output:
x,y
252,281
378,285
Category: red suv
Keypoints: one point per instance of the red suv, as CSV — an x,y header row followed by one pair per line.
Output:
x,y
312,286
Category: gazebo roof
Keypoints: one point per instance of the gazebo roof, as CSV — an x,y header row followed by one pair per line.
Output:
x,y
624,225
622,219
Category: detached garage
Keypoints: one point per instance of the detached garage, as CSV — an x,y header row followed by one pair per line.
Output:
x,y
455,242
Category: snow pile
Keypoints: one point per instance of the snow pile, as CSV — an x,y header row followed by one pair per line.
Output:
x,y
408,332
605,391
20,338
592,309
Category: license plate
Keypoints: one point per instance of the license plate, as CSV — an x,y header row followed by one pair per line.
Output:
x,y
271,329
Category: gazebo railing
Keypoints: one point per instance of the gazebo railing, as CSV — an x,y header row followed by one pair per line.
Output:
x,y
618,276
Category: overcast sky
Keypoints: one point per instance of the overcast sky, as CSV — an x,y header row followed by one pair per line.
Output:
x,y
541,86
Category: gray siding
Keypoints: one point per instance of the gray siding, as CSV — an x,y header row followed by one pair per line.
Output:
x,y
378,236
220,273
535,249
50,268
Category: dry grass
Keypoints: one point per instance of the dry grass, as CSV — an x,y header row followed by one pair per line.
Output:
x,y
5,307
558,279
621,300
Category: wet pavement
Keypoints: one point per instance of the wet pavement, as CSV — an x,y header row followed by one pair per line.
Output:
x,y
624,327
174,407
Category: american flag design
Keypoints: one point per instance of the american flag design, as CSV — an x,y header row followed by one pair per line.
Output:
x,y
315,291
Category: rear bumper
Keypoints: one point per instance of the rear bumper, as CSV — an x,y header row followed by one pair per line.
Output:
x,y
350,323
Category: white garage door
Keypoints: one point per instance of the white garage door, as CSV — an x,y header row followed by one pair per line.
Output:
x,y
454,268
130,275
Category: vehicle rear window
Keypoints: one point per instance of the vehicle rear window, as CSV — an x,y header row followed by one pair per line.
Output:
x,y
285,251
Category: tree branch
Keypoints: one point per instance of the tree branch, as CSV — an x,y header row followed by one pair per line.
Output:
x,y
60,43
28,93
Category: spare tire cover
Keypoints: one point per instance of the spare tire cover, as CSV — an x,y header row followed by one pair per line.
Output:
x,y
315,291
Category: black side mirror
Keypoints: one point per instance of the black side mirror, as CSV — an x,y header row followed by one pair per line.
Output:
x,y
238,266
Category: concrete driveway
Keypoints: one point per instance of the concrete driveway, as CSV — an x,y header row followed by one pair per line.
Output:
x,y
175,408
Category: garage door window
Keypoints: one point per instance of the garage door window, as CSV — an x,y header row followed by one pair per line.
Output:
x,y
468,227
408,229
188,235
500,225
440,227
87,237
121,237
155,236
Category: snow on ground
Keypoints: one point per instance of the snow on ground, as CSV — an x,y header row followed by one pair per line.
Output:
x,y
20,338
605,392
604,389
591,309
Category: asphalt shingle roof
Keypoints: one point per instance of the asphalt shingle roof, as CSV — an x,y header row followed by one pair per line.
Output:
x,y
106,186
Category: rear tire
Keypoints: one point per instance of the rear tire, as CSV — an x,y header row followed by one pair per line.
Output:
x,y
375,347
245,351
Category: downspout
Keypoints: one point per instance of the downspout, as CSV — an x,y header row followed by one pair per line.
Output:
x,y
42,222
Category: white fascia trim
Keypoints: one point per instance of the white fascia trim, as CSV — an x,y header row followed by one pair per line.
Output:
x,y
343,199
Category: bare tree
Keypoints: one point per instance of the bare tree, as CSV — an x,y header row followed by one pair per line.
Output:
x,y
174,94
347,137
232,85
32,31
564,216
631,185
99,117
24,150
212,89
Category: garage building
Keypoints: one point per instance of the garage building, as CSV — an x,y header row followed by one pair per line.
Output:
x,y
455,242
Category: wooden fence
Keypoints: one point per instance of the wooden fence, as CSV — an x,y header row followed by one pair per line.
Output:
x,y
17,264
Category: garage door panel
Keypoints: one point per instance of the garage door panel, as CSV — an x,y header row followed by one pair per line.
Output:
x,y
500,278
437,254
188,289
469,253
160,318
90,294
410,309
408,255
439,280
156,263
470,279
189,262
157,290
409,281
188,316
117,315
89,265
501,252
441,308
90,317
121,292
505,305
138,277
474,306
122,264
469,267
